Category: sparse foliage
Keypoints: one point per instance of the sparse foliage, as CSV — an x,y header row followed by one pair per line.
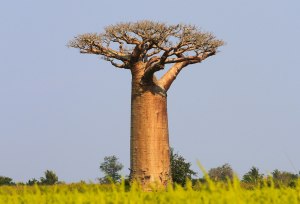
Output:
x,y
180,169
222,173
111,168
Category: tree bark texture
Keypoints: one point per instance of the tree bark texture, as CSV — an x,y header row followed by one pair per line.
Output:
x,y
149,141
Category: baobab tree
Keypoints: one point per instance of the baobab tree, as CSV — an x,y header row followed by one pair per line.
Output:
x,y
146,47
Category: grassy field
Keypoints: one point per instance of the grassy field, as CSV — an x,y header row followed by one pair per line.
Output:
x,y
202,193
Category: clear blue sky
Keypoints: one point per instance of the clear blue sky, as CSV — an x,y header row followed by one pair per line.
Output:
x,y
63,111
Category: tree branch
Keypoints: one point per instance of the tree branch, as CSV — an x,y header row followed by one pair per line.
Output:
x,y
151,67
154,52
167,79
108,52
155,64
93,44
123,65
190,59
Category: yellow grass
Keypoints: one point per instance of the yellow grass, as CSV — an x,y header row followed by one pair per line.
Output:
x,y
210,192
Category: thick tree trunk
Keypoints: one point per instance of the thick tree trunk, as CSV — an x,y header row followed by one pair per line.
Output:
x,y
149,142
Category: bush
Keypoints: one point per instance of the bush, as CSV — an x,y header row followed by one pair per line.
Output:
x,y
253,176
6,181
283,178
49,179
221,173
180,169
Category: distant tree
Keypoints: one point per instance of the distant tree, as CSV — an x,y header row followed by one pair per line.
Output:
x,y
221,173
31,182
283,178
180,169
6,181
49,179
111,168
253,176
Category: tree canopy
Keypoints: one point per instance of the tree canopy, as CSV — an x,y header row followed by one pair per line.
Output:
x,y
155,43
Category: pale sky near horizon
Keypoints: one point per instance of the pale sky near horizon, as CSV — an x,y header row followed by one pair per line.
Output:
x,y
64,111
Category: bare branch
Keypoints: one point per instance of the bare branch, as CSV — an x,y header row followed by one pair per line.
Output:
x,y
93,44
123,65
120,32
154,52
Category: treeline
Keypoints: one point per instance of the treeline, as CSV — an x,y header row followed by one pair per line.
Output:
x,y
181,172
50,178
254,177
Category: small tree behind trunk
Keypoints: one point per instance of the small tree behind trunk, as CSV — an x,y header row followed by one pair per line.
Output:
x,y
111,168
